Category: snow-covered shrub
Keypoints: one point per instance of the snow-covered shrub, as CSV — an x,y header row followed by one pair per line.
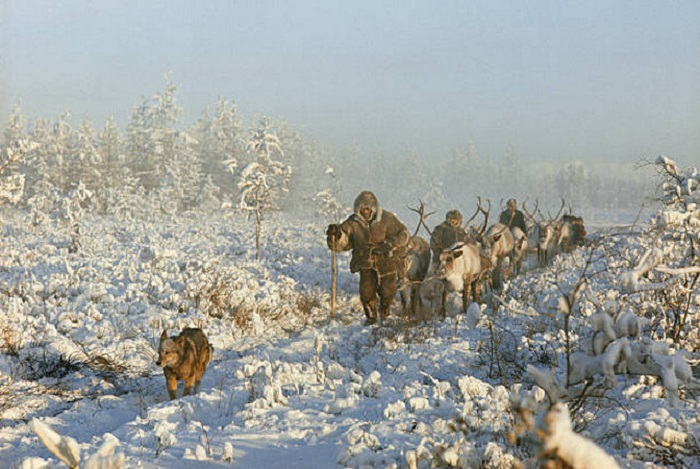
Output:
x,y
560,441
67,449
328,206
12,185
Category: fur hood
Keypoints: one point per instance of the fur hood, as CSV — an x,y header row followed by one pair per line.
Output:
x,y
367,199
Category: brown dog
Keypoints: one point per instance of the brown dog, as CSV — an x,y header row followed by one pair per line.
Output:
x,y
184,357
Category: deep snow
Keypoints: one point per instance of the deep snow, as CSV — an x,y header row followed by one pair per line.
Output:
x,y
288,385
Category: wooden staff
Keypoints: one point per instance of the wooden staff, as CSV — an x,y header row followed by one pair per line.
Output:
x,y
334,277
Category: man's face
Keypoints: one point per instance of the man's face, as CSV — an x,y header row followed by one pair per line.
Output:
x,y
366,212
454,222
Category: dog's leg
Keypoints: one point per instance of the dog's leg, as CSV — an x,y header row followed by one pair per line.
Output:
x,y
189,383
202,368
171,384
198,372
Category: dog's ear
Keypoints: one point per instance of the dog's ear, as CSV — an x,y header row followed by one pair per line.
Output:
x,y
164,335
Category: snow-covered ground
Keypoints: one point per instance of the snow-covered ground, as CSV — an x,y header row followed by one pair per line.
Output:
x,y
289,386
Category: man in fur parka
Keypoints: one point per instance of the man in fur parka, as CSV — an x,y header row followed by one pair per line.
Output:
x,y
379,242
448,233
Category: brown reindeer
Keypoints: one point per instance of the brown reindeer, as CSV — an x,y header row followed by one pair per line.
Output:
x,y
548,234
417,264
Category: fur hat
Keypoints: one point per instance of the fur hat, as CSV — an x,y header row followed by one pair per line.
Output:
x,y
454,215
367,199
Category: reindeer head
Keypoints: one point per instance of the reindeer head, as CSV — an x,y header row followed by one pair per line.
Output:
x,y
447,262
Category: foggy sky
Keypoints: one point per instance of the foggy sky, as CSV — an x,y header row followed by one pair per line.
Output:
x,y
575,80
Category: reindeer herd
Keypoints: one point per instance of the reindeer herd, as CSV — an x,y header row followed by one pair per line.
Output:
x,y
490,255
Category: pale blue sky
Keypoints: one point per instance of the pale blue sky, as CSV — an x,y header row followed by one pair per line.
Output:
x,y
589,79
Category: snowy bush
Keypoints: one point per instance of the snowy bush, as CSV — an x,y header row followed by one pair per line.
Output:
x,y
12,185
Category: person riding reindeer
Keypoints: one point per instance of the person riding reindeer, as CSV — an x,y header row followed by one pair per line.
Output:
x,y
512,217
379,242
447,233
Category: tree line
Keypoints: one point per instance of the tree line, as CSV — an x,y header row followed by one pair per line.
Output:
x,y
159,166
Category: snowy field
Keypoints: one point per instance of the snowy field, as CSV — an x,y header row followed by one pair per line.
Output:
x,y
289,386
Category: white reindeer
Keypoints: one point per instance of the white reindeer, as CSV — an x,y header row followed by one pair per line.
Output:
x,y
460,269
499,243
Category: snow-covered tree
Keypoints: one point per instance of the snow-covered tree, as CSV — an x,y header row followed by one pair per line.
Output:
x,y
15,129
573,184
209,195
164,116
12,185
328,206
219,138
112,169
73,211
140,144
676,276
228,136
126,201
85,160
264,180
161,156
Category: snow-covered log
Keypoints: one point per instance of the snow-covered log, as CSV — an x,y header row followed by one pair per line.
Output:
x,y
571,448
64,448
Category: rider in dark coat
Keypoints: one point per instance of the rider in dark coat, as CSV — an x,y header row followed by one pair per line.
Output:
x,y
447,233
512,217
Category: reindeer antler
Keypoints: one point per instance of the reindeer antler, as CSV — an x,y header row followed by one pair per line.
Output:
x,y
486,214
563,203
420,211
476,212
531,215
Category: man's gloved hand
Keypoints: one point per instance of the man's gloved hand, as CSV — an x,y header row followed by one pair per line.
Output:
x,y
332,234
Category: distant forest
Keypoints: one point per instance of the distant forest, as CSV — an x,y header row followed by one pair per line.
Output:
x,y
158,166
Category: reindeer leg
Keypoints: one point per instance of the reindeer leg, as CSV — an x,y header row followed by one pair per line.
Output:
x,y
443,306
416,301
476,288
465,295
404,301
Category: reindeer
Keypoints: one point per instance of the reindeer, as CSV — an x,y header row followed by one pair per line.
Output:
x,y
549,234
499,243
417,263
571,232
476,234
556,235
460,270
520,248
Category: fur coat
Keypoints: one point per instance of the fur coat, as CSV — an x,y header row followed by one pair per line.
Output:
x,y
375,241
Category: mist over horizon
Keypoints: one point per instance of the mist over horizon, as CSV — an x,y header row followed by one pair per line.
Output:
x,y
597,81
